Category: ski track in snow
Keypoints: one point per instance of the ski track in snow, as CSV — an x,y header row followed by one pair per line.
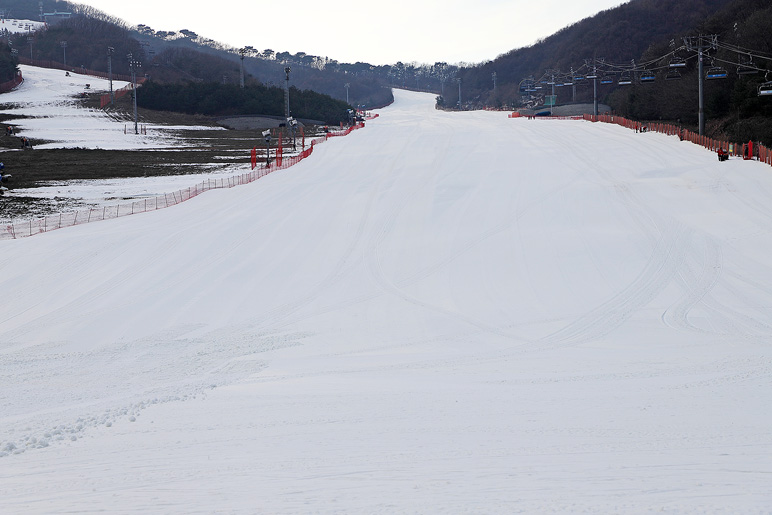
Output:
x,y
444,312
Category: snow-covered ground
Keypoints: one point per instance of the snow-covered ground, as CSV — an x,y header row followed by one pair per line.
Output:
x,y
444,312
49,99
15,26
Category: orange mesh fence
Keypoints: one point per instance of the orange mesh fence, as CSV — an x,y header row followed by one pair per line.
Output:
x,y
26,228
748,150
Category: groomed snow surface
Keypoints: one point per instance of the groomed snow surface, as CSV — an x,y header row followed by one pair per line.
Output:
x,y
441,313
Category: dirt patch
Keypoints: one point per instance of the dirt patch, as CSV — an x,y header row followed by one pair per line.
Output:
x,y
201,150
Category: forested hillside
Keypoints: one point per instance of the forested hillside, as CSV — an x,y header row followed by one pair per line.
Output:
x,y
173,56
620,34
8,63
651,32
213,99
733,108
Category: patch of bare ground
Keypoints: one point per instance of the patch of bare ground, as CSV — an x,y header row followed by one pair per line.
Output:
x,y
205,147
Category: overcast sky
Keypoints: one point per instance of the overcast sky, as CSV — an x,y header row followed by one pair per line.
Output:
x,y
376,32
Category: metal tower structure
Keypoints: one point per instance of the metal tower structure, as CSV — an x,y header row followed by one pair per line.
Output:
x,y
287,71
701,44
242,52
110,51
134,65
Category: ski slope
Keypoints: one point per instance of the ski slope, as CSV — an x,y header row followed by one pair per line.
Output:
x,y
15,26
442,313
45,107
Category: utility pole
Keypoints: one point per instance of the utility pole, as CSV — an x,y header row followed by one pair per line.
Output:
x,y
347,85
30,39
493,76
594,90
287,71
458,79
242,52
701,44
552,104
64,50
133,65
110,51
573,86
594,77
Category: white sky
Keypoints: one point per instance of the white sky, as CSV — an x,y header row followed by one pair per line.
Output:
x,y
378,33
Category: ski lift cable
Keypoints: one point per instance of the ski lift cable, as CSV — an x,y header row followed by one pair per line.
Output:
x,y
606,68
749,66
751,55
746,51
651,61
658,68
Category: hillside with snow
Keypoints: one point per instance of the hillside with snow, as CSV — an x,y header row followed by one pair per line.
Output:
x,y
48,104
16,26
443,312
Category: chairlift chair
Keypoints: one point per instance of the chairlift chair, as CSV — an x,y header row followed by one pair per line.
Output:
x,y
625,79
677,62
648,76
673,74
592,76
607,79
716,72
527,85
765,89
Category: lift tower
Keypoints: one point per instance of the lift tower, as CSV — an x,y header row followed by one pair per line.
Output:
x,y
701,44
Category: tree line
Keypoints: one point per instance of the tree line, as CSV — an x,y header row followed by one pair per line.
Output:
x,y
87,40
9,63
216,99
